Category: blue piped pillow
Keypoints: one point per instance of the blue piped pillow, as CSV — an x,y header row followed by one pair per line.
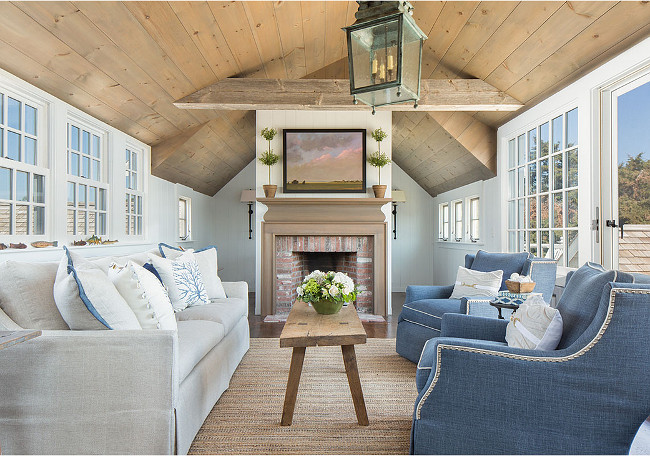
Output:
x,y
207,260
87,299
149,267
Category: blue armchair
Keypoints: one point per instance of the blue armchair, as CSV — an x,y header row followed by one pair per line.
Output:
x,y
590,396
421,315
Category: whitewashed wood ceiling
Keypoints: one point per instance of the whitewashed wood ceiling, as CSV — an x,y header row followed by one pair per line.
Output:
x,y
127,62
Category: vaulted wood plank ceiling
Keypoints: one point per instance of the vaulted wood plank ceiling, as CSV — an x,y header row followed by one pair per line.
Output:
x,y
127,62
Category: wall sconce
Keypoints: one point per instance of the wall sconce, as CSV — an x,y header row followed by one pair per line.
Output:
x,y
398,197
248,197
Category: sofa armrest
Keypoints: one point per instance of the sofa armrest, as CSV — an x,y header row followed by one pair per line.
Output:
x,y
104,392
417,292
236,290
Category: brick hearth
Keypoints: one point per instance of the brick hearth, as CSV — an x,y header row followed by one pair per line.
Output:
x,y
297,256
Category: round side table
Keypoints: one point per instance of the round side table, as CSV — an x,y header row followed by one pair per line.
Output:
x,y
501,305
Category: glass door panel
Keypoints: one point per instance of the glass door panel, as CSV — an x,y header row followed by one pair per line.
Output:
x,y
626,190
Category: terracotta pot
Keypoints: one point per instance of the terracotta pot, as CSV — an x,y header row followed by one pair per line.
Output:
x,y
269,190
380,190
327,307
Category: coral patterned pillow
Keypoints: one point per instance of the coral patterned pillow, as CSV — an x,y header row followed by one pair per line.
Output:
x,y
183,280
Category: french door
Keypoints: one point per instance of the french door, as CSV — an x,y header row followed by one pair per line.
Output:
x,y
625,174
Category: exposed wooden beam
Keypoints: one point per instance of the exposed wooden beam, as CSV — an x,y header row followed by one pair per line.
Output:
x,y
334,94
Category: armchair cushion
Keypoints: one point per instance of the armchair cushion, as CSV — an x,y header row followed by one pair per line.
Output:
x,y
429,312
507,262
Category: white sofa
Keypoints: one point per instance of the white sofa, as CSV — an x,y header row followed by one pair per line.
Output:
x,y
111,392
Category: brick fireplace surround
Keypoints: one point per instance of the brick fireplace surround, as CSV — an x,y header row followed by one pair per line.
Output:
x,y
299,235
297,256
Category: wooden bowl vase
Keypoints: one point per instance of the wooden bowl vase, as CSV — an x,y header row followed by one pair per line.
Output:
x,y
519,287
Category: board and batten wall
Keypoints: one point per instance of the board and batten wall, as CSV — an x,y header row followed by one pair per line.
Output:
x,y
318,120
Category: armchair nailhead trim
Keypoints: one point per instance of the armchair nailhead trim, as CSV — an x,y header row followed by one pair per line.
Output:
x,y
546,359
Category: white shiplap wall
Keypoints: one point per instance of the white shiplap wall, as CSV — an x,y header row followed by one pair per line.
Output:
x,y
236,251
413,249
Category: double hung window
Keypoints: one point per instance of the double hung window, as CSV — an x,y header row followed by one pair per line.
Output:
x,y
443,222
474,228
23,167
134,195
458,221
87,199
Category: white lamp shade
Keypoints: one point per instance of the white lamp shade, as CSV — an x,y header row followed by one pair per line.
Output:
x,y
398,196
248,196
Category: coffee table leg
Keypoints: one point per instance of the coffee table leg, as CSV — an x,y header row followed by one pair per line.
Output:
x,y
297,359
350,361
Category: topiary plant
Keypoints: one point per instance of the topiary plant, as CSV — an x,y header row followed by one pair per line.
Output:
x,y
378,159
268,158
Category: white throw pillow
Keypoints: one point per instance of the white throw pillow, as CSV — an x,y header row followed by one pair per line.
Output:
x,y
207,260
535,325
87,299
474,284
146,296
183,280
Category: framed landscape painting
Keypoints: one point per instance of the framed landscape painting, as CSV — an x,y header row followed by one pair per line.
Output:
x,y
325,161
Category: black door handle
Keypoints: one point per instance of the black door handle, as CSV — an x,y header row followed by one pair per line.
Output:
x,y
612,224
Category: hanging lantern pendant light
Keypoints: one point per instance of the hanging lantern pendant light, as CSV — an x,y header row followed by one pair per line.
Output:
x,y
384,54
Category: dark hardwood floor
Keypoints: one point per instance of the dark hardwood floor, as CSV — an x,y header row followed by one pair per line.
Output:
x,y
385,330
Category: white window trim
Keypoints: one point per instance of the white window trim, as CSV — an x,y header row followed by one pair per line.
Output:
x,y
441,228
140,190
106,162
43,159
453,235
470,235
188,219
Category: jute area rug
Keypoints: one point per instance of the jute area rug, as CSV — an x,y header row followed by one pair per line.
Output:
x,y
246,419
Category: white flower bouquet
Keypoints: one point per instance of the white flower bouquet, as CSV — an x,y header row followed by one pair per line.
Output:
x,y
320,288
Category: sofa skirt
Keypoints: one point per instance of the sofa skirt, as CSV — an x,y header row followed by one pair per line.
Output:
x,y
206,383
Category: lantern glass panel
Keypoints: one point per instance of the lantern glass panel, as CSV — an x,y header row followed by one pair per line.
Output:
x,y
411,46
374,53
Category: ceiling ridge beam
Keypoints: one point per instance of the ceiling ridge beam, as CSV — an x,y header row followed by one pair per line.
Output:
x,y
243,94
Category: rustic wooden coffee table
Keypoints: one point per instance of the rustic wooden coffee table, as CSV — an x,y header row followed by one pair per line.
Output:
x,y
306,328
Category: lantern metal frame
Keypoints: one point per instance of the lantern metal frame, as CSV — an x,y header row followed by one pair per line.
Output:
x,y
399,17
